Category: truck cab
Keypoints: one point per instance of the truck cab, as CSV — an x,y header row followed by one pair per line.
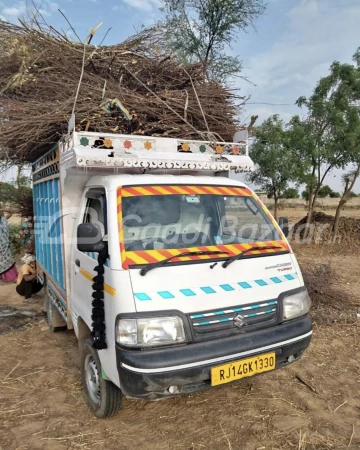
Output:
x,y
176,280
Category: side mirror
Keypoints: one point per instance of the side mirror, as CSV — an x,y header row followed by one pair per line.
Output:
x,y
284,225
89,238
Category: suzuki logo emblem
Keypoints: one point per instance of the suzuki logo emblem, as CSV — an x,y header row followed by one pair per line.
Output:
x,y
239,321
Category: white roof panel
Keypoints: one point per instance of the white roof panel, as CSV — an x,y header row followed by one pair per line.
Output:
x,y
112,182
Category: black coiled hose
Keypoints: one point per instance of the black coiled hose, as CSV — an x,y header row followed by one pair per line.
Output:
x,y
98,333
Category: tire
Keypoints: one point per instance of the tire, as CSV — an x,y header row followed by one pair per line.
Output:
x,y
102,396
54,319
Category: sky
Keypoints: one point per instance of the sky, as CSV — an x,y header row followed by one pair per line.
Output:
x,y
291,46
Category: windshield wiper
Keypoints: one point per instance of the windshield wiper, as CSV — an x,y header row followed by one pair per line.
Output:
x,y
251,249
146,269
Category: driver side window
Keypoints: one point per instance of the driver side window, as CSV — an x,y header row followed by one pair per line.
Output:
x,y
96,210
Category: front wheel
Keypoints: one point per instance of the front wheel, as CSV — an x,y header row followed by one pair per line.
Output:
x,y
102,396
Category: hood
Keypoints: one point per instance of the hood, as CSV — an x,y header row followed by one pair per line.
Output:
x,y
196,287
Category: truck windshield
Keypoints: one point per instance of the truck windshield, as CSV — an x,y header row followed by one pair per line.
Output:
x,y
155,222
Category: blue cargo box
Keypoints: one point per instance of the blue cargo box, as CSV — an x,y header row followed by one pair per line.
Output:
x,y
48,224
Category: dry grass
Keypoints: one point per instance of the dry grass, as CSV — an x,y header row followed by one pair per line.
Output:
x,y
322,203
134,87
331,302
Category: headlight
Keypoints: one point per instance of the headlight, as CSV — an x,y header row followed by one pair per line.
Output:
x,y
150,331
296,305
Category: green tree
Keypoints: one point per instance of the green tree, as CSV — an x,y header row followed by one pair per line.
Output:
x,y
349,180
327,136
201,30
290,193
8,193
305,195
277,164
17,196
325,191
350,139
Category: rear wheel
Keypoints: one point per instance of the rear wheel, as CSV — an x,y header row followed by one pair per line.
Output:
x,y
102,396
54,318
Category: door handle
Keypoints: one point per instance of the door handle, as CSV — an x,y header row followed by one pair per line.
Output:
x,y
77,262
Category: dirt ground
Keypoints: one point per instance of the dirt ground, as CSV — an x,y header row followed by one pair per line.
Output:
x,y
312,405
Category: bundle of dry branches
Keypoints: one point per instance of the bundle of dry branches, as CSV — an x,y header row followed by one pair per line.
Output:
x,y
130,88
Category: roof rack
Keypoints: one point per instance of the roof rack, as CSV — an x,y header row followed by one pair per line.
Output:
x,y
85,149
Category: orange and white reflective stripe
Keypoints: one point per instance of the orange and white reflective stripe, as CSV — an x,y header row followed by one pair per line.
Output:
x,y
153,256
136,191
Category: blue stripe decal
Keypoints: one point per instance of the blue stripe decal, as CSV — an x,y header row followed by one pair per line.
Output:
x,y
227,287
187,292
207,290
166,294
197,316
142,296
276,280
289,277
234,310
228,319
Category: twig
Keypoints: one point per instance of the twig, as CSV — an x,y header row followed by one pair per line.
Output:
x,y
105,36
80,80
342,404
161,100
230,446
64,438
301,441
11,371
186,105
73,29
306,383
352,435
32,414
37,12
198,100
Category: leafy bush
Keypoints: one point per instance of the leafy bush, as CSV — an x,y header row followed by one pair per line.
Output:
x,y
290,193
325,191
16,242
305,195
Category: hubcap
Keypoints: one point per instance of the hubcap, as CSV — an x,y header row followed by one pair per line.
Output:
x,y
92,379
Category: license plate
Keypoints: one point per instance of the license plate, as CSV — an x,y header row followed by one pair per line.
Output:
x,y
242,369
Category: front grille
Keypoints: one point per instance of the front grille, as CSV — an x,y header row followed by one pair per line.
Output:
x,y
247,317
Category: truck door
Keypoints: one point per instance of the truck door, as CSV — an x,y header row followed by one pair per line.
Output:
x,y
83,263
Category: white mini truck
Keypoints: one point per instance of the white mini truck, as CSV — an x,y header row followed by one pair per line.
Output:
x,y
174,277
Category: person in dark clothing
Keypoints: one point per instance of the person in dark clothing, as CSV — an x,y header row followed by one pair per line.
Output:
x,y
27,283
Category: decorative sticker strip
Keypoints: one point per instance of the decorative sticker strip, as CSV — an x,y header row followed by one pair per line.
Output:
x,y
184,190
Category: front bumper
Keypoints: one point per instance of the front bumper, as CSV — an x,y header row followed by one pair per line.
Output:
x,y
150,373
